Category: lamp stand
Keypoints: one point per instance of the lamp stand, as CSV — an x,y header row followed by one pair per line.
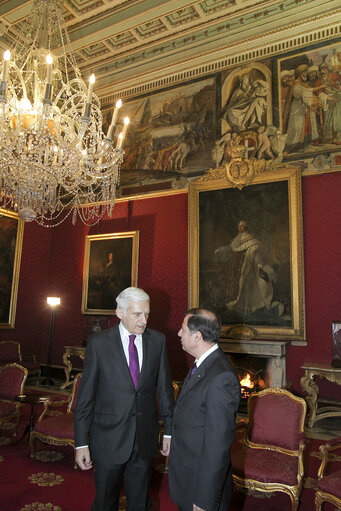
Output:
x,y
48,380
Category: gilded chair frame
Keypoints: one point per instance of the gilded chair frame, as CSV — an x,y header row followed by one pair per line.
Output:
x,y
321,496
16,414
50,410
293,491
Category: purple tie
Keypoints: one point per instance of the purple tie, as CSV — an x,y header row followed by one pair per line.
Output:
x,y
133,360
194,368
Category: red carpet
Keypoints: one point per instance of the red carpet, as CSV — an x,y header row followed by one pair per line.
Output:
x,y
52,484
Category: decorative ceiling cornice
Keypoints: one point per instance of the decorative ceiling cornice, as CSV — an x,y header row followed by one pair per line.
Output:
x,y
134,46
276,42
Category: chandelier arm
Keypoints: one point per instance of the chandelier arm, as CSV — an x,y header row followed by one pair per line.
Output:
x,y
54,157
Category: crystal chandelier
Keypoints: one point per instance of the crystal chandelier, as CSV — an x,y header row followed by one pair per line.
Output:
x,y
55,160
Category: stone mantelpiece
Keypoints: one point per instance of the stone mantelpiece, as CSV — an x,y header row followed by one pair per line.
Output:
x,y
274,351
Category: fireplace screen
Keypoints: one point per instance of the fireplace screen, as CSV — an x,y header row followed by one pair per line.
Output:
x,y
253,373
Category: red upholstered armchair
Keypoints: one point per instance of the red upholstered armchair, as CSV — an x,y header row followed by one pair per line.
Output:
x,y
12,382
10,351
329,484
272,458
54,427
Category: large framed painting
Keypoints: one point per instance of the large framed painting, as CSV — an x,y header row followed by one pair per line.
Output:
x,y
246,255
11,233
169,139
309,89
110,265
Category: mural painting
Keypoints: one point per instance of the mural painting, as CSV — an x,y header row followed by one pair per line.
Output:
x,y
246,115
310,101
171,134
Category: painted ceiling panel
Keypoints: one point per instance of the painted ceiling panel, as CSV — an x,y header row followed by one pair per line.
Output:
x,y
213,6
84,6
94,51
122,40
183,16
151,28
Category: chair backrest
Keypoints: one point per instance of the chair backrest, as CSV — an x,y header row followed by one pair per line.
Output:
x,y
276,418
12,380
74,394
9,352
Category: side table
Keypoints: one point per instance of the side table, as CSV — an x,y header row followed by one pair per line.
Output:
x,y
331,373
76,351
33,400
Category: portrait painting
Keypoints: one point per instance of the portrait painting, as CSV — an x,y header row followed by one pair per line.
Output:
x,y
110,265
11,234
247,256
336,341
170,135
309,90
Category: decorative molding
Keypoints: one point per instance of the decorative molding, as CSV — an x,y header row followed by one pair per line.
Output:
x,y
236,54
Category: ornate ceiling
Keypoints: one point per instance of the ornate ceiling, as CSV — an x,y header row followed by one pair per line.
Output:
x,y
134,46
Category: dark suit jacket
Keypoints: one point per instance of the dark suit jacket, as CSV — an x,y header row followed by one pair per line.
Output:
x,y
203,431
109,405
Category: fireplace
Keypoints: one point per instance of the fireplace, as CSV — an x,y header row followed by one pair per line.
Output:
x,y
259,363
252,372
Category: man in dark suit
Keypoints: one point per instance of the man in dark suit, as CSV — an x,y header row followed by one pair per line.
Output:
x,y
125,371
200,476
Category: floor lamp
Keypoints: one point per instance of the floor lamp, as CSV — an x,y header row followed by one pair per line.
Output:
x,y
53,302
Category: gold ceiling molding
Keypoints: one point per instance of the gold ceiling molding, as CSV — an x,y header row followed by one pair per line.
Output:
x,y
276,42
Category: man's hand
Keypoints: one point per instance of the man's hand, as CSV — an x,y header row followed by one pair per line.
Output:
x,y
165,446
197,508
83,458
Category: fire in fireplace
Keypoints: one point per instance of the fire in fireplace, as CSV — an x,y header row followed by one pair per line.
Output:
x,y
250,382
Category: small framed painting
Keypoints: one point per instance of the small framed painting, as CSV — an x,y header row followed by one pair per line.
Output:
x,y
110,265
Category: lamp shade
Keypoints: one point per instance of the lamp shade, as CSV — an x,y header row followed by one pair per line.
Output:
x,y
53,300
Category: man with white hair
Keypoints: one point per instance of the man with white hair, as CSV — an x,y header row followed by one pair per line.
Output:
x,y
126,372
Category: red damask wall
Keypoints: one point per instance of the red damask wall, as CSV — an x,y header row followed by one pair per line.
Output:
x,y
52,263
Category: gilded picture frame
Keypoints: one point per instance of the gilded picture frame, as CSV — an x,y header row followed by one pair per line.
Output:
x,y
110,265
336,343
11,231
246,254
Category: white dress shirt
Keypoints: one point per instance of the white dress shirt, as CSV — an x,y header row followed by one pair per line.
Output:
x,y
200,360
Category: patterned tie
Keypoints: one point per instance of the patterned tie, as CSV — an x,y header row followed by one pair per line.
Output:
x,y
133,360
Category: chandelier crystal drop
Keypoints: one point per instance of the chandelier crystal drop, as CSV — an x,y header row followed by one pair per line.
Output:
x,y
55,160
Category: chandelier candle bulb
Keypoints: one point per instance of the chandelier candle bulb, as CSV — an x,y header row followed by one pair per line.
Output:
x,y
7,56
114,119
49,68
123,134
119,141
91,87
